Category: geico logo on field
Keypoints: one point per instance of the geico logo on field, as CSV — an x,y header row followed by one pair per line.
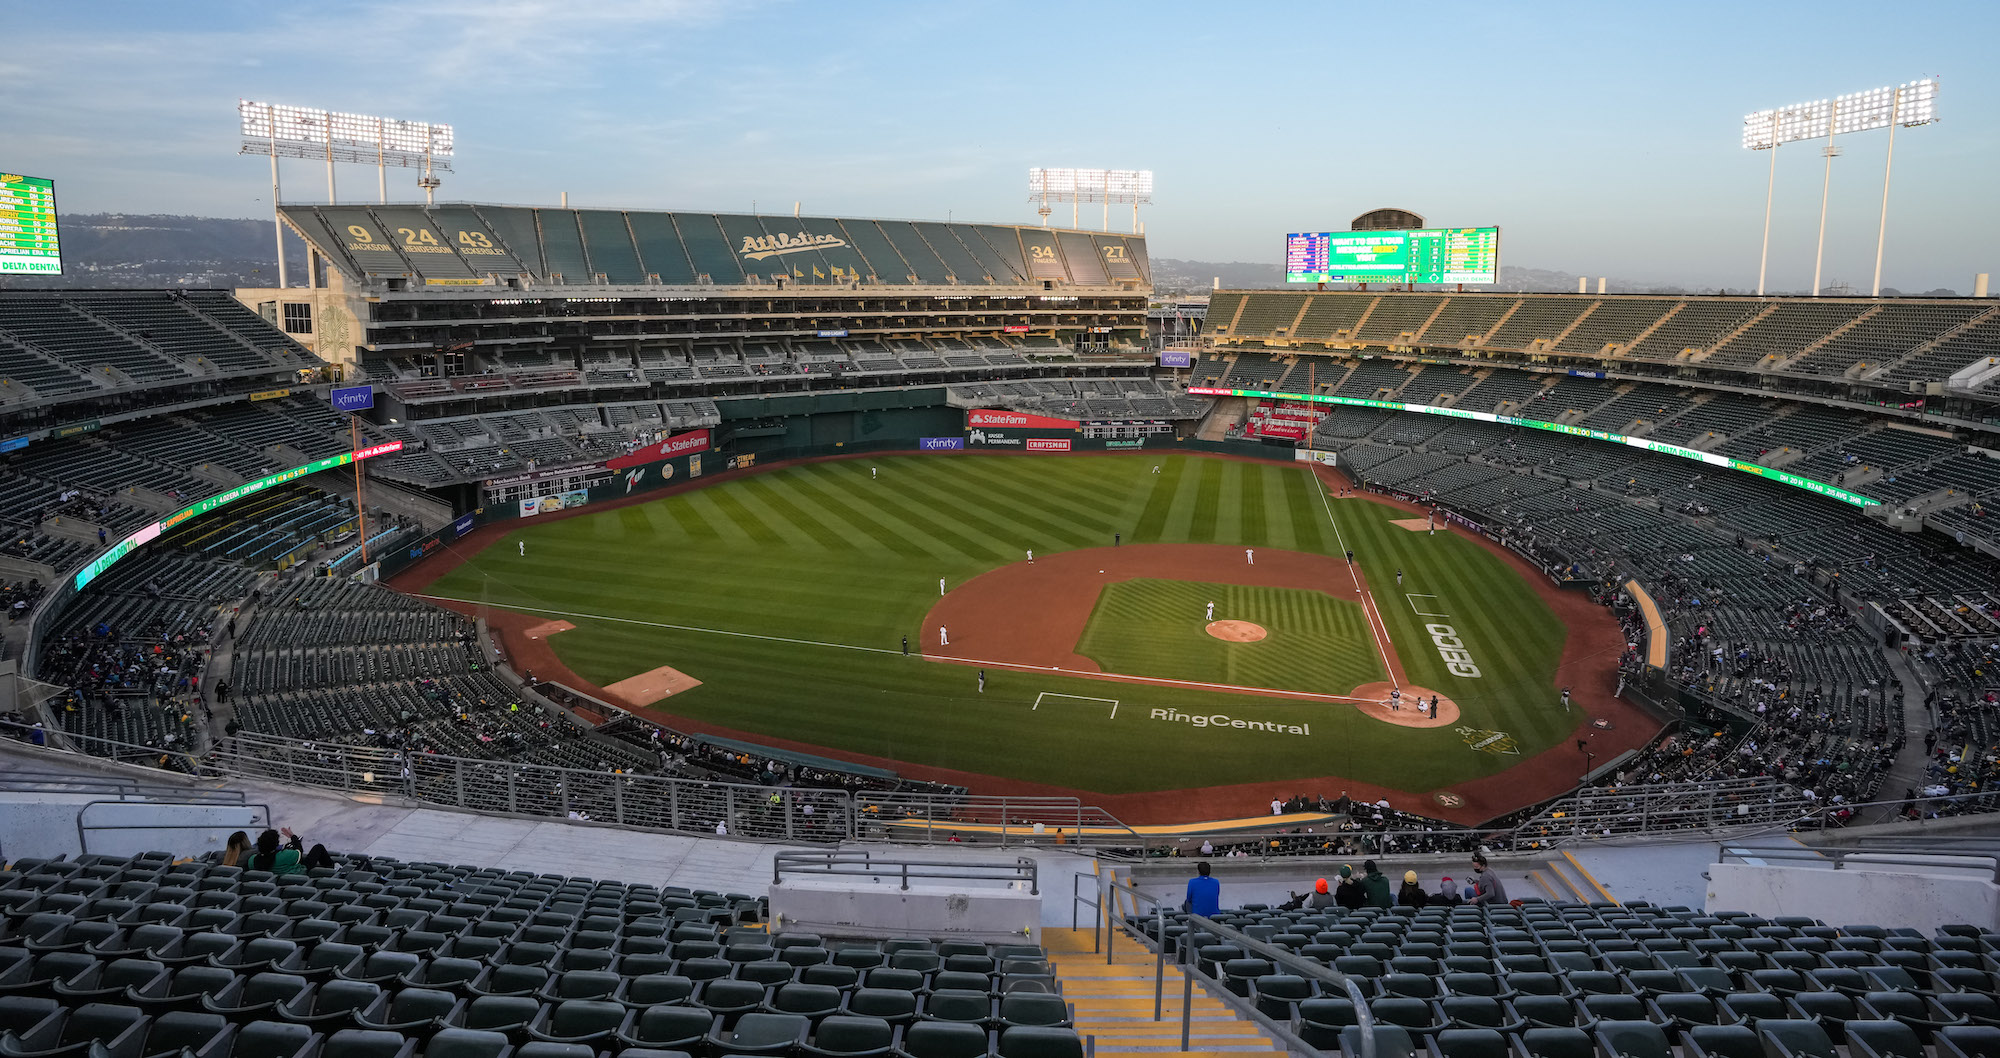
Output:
x,y
1452,650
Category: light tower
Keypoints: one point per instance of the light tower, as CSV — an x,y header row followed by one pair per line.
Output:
x,y
1091,185
1909,104
282,131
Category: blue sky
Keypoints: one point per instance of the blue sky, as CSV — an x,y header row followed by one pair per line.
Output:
x,y
1603,138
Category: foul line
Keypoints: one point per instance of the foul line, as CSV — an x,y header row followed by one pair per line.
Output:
x,y
656,624
1114,676
1368,607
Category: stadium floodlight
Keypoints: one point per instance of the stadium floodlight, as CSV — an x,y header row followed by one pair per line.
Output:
x,y
284,131
1091,185
1909,104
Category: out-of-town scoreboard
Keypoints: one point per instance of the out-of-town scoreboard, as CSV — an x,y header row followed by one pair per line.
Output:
x,y
28,226
1408,255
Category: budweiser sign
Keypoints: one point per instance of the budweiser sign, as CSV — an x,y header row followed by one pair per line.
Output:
x,y
680,444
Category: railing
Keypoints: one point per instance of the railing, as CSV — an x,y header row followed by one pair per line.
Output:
x,y
1694,808
989,820
1898,854
860,863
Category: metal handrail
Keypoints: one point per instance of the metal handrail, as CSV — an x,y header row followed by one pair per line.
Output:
x,y
1837,857
860,863
1364,1019
51,782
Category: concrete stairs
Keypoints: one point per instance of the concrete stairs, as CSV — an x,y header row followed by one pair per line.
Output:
x,y
1564,878
1114,1003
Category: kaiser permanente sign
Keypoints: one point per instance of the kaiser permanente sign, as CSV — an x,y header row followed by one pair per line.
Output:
x,y
249,488
1710,458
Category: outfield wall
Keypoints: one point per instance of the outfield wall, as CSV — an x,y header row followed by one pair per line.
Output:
x,y
735,457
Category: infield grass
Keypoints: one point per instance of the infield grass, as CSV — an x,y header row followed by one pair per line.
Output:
x,y
788,592
1314,642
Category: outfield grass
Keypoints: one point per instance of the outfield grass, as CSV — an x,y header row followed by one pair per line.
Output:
x,y
1314,641
787,593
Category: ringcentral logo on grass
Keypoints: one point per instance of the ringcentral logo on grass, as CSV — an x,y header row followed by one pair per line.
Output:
x,y
1225,720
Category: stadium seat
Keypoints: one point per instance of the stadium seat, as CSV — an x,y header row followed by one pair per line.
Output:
x,y
1790,1038
1633,1039
1040,1041
1468,1043
1968,1041
1722,1041
669,1028
1882,1039
467,1043
848,1036
944,1039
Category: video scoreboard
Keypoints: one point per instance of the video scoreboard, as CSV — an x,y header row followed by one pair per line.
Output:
x,y
28,226
1410,255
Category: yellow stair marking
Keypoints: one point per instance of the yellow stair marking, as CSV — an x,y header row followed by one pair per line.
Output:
x,y
1114,1003
1586,876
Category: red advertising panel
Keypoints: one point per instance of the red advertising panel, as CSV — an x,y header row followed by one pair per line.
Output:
x,y
990,418
680,444
1048,444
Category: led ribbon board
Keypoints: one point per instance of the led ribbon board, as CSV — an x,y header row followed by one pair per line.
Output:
x,y
1831,492
222,499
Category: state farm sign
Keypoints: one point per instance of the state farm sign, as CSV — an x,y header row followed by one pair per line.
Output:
x,y
680,444
994,417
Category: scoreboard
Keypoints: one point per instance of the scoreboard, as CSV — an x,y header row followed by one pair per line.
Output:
x,y
1410,255
28,226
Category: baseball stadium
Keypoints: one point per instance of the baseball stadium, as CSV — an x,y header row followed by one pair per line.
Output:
x,y
842,589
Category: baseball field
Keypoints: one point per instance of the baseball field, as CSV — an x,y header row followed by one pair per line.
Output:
x,y
1099,667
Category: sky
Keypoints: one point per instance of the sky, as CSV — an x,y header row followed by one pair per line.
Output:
x,y
1603,138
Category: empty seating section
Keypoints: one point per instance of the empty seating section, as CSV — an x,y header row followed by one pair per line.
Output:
x,y
1370,377
1398,315
1618,320
376,958
1980,341
178,326
1647,402
1537,319
1329,315
1253,371
1540,980
1466,317
1266,315
1790,327
1698,325
1725,414
1889,334
44,373
49,324
1495,387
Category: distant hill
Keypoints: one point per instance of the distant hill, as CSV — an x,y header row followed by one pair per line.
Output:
x,y
134,250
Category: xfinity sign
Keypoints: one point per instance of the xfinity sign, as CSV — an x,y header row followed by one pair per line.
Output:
x,y
937,444
354,398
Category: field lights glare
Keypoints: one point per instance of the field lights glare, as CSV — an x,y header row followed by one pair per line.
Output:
x,y
1908,104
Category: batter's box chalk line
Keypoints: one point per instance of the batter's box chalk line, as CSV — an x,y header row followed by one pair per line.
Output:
x,y
1052,696
1413,596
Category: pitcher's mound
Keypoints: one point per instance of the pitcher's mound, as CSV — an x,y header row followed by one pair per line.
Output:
x,y
649,687
1415,525
1236,631
548,628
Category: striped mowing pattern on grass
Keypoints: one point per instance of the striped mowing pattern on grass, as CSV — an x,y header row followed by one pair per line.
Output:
x,y
823,553
1315,642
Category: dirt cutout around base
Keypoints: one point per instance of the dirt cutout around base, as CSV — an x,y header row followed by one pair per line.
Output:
x,y
1236,631
653,685
548,628
1375,706
1415,525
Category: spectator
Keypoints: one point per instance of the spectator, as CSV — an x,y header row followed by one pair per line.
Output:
x,y
1348,892
1411,894
238,849
1322,896
1447,894
1375,884
1204,893
1486,886
270,856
